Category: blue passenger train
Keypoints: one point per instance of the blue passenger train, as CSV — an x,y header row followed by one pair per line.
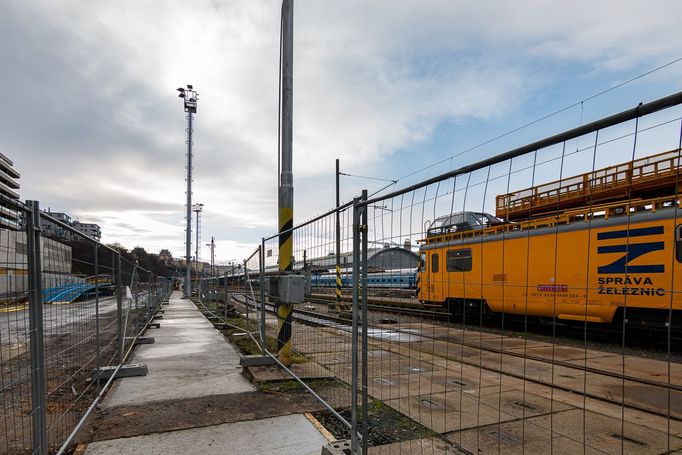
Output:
x,y
395,279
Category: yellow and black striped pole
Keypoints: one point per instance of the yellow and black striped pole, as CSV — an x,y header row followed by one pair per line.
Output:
x,y
286,183
284,310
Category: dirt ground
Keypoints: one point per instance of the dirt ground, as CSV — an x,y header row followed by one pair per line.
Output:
x,y
130,421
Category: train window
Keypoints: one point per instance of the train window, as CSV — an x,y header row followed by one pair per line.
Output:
x,y
458,260
434,263
422,262
678,243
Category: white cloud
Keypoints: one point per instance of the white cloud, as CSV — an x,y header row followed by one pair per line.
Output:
x,y
370,78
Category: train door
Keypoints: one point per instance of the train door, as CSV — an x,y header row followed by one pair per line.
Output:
x,y
423,279
435,279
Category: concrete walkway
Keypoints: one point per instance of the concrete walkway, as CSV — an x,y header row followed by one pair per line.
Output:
x,y
190,362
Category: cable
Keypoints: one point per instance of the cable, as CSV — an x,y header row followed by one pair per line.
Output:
x,y
369,178
545,117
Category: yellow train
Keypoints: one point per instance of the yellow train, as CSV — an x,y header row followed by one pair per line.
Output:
x,y
579,264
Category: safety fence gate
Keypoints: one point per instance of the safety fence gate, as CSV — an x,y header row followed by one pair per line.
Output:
x,y
71,310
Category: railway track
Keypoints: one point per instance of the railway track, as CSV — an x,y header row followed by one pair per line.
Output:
x,y
657,341
651,387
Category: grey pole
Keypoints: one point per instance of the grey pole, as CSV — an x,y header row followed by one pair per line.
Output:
x,y
190,98
262,297
338,241
188,272
98,346
35,313
196,248
119,309
365,414
354,335
286,187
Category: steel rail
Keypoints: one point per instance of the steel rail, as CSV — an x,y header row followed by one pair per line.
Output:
x,y
666,386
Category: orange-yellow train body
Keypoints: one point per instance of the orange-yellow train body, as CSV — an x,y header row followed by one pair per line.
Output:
x,y
580,271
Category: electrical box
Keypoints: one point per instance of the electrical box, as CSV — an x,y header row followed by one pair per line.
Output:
x,y
289,289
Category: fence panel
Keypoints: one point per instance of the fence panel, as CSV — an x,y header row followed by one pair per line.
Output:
x,y
494,330
15,337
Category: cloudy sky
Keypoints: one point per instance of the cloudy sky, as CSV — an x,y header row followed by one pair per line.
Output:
x,y
92,120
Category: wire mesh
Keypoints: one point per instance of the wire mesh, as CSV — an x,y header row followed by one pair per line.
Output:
x,y
321,327
80,326
61,325
507,318
15,356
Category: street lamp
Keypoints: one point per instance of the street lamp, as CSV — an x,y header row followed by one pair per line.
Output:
x,y
190,98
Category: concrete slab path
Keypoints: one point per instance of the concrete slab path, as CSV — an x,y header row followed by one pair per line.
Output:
x,y
190,360
288,435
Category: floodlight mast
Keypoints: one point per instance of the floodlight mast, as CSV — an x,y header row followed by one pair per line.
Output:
x,y
190,98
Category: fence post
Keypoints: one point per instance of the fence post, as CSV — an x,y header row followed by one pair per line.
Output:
x,y
38,373
354,336
98,346
262,297
119,309
365,409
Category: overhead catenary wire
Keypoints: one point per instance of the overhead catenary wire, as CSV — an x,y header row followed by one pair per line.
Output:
x,y
544,117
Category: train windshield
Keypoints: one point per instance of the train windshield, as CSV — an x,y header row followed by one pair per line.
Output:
x,y
485,219
462,221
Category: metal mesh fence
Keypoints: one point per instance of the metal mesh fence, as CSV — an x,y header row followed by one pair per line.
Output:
x,y
530,305
523,304
15,339
69,308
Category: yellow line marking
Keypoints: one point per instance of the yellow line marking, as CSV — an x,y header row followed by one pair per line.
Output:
x,y
12,308
323,431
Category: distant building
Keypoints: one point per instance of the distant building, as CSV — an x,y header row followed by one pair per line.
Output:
x,y
166,257
57,231
90,229
9,218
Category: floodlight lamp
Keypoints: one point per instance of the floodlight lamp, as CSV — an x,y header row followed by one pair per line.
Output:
x,y
189,86
181,95
180,89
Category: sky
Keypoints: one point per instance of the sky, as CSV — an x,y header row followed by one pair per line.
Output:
x,y
93,123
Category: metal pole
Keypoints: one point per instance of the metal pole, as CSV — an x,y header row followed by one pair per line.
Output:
x,y
338,241
35,313
119,309
354,335
262,297
98,345
286,188
188,240
246,299
365,412
196,250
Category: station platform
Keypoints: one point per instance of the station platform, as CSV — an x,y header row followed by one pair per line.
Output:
x,y
194,399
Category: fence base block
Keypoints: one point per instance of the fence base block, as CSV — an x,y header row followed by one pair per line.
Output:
x,y
126,371
256,361
336,448
155,325
142,340
158,316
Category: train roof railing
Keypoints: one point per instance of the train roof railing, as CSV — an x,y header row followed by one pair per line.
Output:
x,y
650,176
582,214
